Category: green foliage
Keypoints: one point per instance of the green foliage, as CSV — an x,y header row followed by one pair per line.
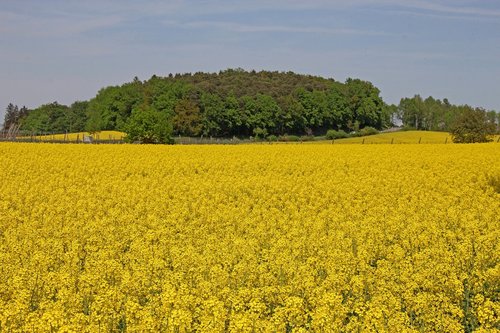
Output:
x,y
289,138
471,126
213,119
407,128
365,103
112,106
11,117
365,131
53,118
187,118
260,113
272,138
147,125
333,134
238,103
259,133
368,130
77,117
435,115
307,138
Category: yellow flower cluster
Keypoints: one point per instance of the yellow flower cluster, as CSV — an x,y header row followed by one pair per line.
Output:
x,y
422,137
78,136
249,238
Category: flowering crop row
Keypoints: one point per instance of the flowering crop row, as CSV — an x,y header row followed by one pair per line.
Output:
x,y
264,238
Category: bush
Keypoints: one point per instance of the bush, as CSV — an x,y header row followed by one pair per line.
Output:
x,y
367,131
333,134
307,138
259,133
289,138
272,138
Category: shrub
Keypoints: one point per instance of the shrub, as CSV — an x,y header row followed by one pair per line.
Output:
x,y
260,133
367,131
272,138
307,138
333,134
289,138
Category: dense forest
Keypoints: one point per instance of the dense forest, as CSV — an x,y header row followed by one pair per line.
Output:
x,y
238,103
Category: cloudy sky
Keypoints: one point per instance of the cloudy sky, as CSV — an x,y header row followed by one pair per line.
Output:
x,y
66,50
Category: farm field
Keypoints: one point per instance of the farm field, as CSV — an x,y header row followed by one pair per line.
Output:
x,y
78,136
406,137
241,238
402,137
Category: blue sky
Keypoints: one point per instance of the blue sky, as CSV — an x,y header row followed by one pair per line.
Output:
x,y
66,50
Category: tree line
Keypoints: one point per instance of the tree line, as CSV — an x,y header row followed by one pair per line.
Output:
x,y
235,102
436,115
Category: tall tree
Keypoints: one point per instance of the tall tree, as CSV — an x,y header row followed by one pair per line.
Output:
x,y
472,126
11,117
187,118
364,103
77,116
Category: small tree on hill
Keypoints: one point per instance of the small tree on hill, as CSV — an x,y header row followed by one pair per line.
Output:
x,y
472,126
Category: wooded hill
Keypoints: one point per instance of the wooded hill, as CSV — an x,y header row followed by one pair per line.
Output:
x,y
228,103
234,102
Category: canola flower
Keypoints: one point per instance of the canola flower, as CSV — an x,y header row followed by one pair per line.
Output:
x,y
421,137
249,238
77,136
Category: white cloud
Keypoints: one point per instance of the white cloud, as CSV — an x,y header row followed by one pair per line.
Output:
x,y
22,25
250,28
445,7
466,8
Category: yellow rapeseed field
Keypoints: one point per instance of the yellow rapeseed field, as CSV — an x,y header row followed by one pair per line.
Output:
x,y
78,136
422,137
249,238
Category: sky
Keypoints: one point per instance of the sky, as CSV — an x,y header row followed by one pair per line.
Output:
x,y
66,50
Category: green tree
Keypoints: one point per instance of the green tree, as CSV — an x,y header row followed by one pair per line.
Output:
x,y
494,119
187,118
290,119
48,118
337,115
212,108
472,126
77,116
313,105
147,125
364,103
11,117
260,113
112,106
233,118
